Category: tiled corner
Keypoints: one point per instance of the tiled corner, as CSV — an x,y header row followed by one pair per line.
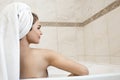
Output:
x,y
67,40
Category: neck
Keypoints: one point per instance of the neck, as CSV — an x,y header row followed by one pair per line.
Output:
x,y
24,47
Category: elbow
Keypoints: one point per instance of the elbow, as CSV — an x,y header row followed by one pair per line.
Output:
x,y
83,71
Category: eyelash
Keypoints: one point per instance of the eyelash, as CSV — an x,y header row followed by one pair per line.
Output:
x,y
38,28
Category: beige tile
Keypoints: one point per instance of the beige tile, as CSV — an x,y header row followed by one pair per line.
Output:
x,y
90,59
89,40
100,37
79,10
115,60
81,58
49,38
114,32
80,41
67,10
91,7
103,59
108,2
46,9
67,41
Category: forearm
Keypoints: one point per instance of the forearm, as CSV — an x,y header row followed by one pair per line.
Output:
x,y
79,72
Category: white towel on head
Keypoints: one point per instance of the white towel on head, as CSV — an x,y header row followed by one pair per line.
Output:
x,y
15,22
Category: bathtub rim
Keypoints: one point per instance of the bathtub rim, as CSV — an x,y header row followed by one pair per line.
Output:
x,y
76,77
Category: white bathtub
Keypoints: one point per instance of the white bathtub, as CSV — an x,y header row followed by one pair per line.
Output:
x,y
97,72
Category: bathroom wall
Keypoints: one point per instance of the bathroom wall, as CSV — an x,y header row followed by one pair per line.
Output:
x,y
98,41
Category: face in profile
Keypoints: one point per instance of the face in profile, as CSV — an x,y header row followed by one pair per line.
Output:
x,y
35,33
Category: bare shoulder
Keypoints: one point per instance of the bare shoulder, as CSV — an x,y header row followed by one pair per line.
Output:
x,y
42,51
46,53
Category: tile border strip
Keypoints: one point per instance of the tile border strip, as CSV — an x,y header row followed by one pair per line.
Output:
x,y
99,14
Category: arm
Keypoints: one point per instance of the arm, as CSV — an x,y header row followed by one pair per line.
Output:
x,y
60,62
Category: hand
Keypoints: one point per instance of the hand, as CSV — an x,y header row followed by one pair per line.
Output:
x,y
72,75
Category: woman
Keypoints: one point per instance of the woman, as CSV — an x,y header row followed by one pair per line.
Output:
x,y
15,22
34,62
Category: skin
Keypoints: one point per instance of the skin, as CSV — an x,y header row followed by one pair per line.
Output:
x,y
34,62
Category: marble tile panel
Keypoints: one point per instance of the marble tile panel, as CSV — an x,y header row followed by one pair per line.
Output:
x,y
67,41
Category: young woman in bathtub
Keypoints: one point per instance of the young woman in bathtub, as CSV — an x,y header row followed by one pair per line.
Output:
x,y
34,62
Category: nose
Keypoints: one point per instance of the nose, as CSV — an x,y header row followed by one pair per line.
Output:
x,y
41,33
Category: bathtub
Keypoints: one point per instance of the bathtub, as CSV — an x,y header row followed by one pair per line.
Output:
x,y
97,72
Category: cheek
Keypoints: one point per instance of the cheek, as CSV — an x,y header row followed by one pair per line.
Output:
x,y
29,36
32,37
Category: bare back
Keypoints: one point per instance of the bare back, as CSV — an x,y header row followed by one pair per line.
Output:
x,y
34,65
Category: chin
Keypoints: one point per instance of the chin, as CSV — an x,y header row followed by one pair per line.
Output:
x,y
35,42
